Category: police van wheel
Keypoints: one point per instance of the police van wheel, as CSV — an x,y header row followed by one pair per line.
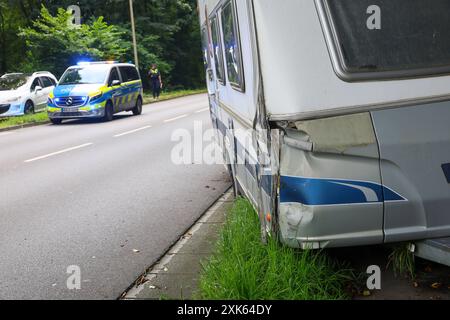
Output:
x,y
56,121
138,108
109,114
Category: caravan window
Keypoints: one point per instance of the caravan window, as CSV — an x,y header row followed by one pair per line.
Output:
x,y
218,56
232,46
391,38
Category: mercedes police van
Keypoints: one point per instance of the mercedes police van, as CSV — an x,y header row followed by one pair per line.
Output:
x,y
96,90
346,105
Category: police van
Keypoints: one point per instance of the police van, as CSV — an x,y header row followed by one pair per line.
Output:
x,y
96,90
346,105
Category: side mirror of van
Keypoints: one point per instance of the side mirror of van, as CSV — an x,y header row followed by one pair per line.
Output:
x,y
116,83
38,88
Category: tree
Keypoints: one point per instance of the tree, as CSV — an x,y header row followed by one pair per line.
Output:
x,y
10,48
54,44
167,32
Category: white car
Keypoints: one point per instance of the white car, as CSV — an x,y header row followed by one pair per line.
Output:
x,y
24,93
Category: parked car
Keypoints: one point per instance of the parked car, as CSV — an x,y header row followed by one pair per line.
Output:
x,y
25,93
96,90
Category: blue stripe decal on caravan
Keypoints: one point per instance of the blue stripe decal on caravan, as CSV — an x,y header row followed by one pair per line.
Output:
x,y
317,192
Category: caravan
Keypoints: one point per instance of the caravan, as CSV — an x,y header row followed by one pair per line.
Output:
x,y
346,105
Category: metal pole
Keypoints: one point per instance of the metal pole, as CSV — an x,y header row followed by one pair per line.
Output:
x,y
133,28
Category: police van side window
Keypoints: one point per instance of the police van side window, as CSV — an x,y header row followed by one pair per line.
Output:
x,y
114,76
133,74
232,46
129,74
123,73
218,56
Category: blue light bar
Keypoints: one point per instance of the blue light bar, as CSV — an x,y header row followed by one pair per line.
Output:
x,y
87,63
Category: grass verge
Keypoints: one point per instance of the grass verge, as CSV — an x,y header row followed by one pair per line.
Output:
x,y
148,98
23,120
243,268
402,261
42,117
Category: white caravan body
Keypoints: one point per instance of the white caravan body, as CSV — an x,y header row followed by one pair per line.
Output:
x,y
334,116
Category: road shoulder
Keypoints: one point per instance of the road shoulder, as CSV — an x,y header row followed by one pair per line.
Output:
x,y
176,275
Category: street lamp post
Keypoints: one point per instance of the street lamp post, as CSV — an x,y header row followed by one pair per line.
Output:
x,y
133,29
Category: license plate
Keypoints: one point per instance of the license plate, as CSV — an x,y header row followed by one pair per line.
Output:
x,y
69,110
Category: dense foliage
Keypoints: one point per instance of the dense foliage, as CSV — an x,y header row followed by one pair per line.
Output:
x,y
35,35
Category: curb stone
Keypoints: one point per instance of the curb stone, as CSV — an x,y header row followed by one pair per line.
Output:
x,y
23,126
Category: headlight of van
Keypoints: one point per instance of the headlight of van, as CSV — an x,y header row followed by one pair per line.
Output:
x,y
96,96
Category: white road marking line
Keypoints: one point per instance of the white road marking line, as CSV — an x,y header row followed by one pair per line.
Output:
x,y
177,118
202,110
59,152
132,131
5,133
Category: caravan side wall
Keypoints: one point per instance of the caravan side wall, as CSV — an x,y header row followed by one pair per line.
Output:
x,y
233,108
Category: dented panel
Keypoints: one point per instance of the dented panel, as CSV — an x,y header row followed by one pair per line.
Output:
x,y
339,134
329,200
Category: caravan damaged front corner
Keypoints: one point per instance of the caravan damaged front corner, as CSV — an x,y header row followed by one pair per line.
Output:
x,y
363,111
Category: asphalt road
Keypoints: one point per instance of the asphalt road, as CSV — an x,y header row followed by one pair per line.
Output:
x,y
90,194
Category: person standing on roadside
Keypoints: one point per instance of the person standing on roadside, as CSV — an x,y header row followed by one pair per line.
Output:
x,y
156,81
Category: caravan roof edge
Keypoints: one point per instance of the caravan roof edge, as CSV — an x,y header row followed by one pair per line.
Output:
x,y
323,113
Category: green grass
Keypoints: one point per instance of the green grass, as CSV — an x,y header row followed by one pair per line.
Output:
x,y
148,98
243,268
402,261
43,118
19,121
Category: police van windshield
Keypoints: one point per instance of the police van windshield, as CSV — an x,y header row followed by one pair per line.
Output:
x,y
85,75
392,35
12,82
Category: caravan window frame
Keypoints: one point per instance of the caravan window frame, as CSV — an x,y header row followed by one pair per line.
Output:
x,y
220,64
235,21
338,61
205,41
